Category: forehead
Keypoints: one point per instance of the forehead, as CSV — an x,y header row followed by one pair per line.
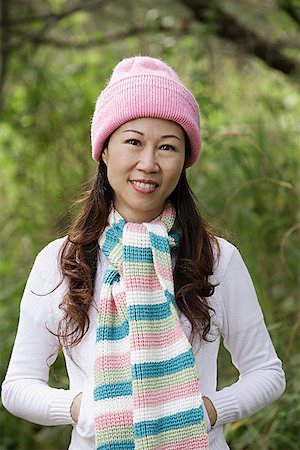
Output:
x,y
151,125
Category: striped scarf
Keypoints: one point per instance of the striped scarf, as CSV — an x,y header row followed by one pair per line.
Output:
x,y
147,393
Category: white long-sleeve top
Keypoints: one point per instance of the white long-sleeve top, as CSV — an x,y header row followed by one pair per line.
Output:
x,y
238,319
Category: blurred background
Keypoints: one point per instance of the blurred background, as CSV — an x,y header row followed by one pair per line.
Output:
x,y
240,58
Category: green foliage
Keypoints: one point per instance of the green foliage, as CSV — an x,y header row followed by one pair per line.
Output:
x,y
246,181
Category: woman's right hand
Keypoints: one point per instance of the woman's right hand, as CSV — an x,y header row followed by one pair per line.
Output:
x,y
75,407
83,410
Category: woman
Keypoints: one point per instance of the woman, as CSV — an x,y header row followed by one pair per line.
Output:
x,y
143,276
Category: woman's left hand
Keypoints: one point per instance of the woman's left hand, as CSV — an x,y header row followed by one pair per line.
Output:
x,y
212,413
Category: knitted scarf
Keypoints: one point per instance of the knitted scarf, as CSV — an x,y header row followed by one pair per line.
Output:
x,y
147,393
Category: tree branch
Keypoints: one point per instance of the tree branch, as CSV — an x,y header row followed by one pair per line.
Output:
x,y
228,27
97,42
49,21
285,43
288,7
95,4
38,38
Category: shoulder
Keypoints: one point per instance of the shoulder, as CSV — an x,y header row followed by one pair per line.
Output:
x,y
51,251
223,253
46,264
235,290
44,283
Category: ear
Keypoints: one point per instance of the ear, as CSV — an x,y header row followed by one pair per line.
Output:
x,y
104,155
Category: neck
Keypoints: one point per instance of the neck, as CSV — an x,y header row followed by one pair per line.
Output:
x,y
141,217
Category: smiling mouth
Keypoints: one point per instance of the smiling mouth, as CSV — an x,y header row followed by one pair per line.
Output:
x,y
144,186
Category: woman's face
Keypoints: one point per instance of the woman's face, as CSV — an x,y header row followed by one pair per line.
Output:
x,y
144,160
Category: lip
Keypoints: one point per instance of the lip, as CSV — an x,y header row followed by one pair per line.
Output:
x,y
144,186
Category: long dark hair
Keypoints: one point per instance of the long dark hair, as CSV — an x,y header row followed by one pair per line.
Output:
x,y
80,251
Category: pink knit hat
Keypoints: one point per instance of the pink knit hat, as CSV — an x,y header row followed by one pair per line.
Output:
x,y
145,87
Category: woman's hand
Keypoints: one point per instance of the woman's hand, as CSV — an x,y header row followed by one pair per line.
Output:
x,y
212,413
75,407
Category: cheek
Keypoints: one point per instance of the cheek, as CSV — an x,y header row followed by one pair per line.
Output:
x,y
117,169
172,181
175,171
176,179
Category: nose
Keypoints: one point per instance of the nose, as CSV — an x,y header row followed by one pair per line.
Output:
x,y
148,160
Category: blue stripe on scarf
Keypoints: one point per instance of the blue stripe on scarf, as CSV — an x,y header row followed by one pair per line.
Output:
x,y
177,238
170,297
113,390
113,235
158,369
149,312
111,276
159,242
125,445
137,254
173,422
112,333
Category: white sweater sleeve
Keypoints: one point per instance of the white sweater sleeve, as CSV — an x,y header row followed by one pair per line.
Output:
x,y
245,336
25,391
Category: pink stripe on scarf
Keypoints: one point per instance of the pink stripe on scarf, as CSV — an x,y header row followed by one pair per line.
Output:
x,y
110,308
164,271
190,444
112,361
147,283
138,228
159,397
118,300
122,419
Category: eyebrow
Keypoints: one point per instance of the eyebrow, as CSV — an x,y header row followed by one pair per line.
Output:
x,y
165,136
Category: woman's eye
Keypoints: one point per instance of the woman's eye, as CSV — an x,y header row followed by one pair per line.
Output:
x,y
167,147
133,141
